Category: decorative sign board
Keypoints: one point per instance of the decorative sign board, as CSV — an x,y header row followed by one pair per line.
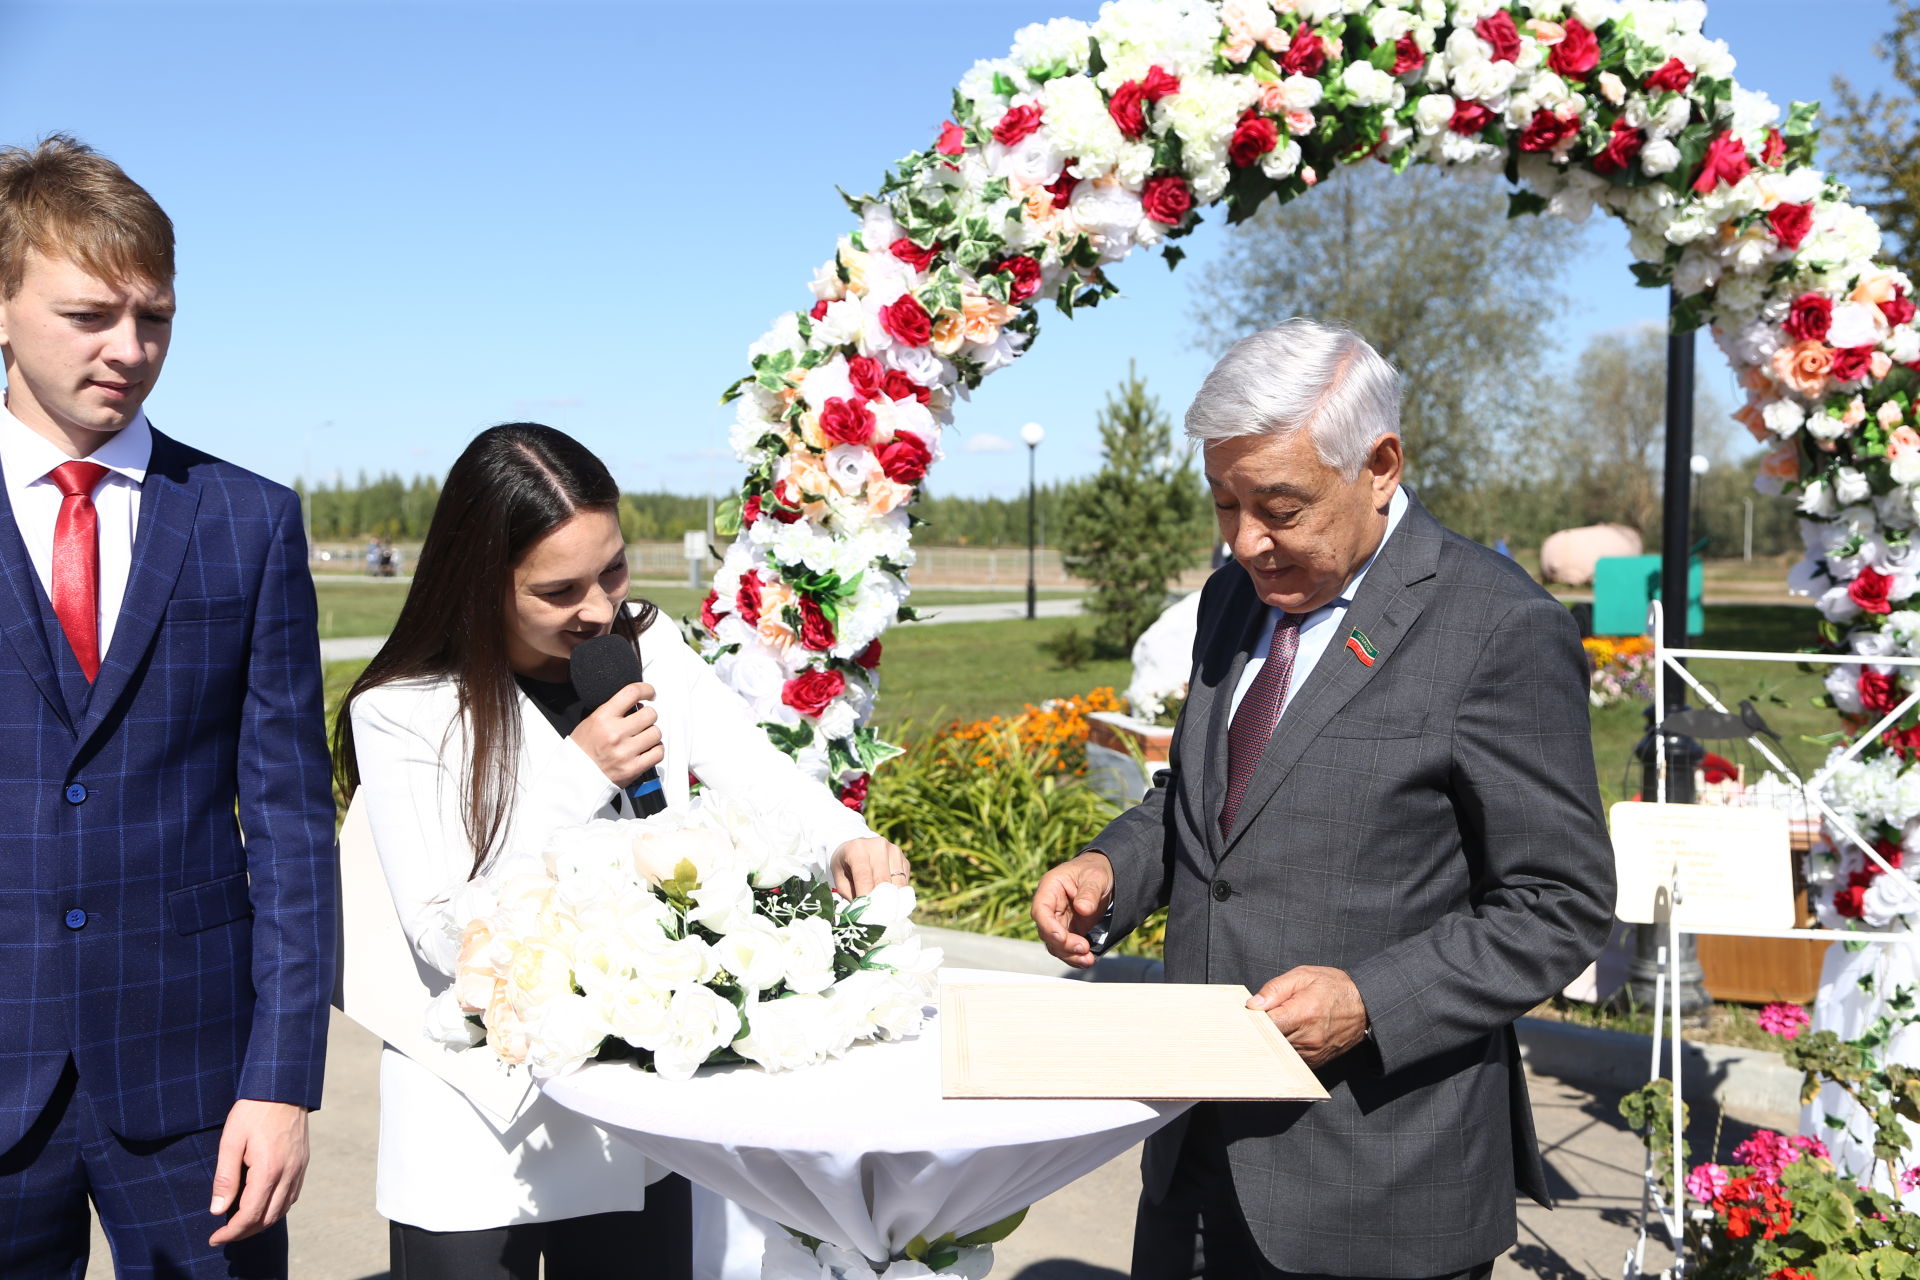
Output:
x,y
1156,1042
1734,865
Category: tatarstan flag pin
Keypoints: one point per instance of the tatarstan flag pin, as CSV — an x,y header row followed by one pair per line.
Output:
x,y
1362,647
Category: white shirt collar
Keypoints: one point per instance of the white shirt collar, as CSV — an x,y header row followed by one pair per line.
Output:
x,y
27,457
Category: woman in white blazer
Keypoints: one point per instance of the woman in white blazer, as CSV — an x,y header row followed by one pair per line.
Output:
x,y
467,746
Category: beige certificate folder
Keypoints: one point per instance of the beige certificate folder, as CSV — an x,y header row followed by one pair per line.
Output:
x,y
1152,1041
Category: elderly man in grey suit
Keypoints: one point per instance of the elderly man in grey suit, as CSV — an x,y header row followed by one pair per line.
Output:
x,y
1381,816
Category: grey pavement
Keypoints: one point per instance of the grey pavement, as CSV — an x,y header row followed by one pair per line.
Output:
x,y
360,648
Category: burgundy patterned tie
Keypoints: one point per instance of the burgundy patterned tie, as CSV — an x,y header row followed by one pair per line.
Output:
x,y
1259,714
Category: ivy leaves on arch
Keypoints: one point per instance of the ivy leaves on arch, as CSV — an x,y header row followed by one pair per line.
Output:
x,y
1091,141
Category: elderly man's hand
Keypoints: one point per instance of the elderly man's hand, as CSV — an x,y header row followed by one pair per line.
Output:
x,y
1070,900
1317,1009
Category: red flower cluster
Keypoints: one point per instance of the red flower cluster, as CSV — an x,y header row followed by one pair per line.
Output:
x,y
1062,188
1026,276
1672,77
1726,162
1128,106
1253,137
1497,29
1790,223
905,458
1469,117
869,657
871,380
1752,1204
1899,308
1547,130
1809,317
846,421
746,601
1774,151
1577,54
816,632
1306,56
912,254
1621,148
854,794
1878,692
811,692
906,321
1016,125
953,139
1852,364
1166,199
1407,56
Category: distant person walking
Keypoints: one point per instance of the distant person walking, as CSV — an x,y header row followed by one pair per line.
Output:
x,y
373,557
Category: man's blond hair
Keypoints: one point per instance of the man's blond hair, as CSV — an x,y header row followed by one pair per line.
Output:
x,y
65,200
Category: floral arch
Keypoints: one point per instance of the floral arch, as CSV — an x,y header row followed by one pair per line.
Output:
x,y
1090,141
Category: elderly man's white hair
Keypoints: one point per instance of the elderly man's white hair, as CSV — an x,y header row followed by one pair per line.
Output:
x,y
1301,373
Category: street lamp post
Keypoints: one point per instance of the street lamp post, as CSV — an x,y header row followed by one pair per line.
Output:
x,y
1032,434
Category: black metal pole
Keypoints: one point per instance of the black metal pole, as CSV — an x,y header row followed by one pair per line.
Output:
x,y
1033,453
1682,754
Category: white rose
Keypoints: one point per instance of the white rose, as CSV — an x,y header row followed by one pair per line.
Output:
x,y
1837,606
638,1012
670,963
1783,417
1485,82
886,905
1850,486
827,381
1696,273
751,951
447,1023
1659,156
1369,85
1905,467
1856,324
700,1022
1431,113
1843,685
662,843
807,948
723,901
1903,344
1672,116
569,1032
789,1033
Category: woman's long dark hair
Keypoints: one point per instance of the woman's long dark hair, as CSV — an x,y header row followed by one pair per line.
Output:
x,y
513,485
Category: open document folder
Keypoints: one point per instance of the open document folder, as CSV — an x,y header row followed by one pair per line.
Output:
x,y
1157,1042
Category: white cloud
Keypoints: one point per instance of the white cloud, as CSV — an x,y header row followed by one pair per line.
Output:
x,y
987,442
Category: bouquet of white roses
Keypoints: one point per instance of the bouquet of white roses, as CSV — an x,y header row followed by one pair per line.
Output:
x,y
678,940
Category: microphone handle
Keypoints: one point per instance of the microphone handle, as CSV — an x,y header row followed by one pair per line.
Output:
x,y
646,795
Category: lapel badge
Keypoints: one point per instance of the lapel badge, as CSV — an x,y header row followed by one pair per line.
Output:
x,y
1362,647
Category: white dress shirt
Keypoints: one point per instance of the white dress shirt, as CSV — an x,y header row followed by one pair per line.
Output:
x,y
1319,628
27,462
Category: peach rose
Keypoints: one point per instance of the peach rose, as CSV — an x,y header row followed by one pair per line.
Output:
x,y
1273,98
1875,290
1902,440
1546,32
1856,413
474,979
809,473
1804,366
1299,122
883,495
1748,416
855,264
1879,364
506,1033
982,317
1782,463
809,431
949,333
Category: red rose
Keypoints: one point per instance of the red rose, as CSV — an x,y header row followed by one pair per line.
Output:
x,y
907,321
1621,148
815,631
1159,84
709,618
750,512
1252,138
1497,29
1673,77
869,657
904,459
1166,199
1774,151
1726,162
1061,188
912,254
865,373
819,310
1888,850
1127,107
1869,591
846,421
1407,56
1306,56
854,794
1716,768
898,386
1026,277
1898,309
1547,131
811,692
1577,54
1808,317
953,139
1469,118
1851,364
1790,223
786,502
1016,124
1847,902
746,601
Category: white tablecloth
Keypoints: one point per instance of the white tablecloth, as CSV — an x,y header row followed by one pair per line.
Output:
x,y
862,1152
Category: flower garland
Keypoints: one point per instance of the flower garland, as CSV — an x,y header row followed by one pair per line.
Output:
x,y
1091,140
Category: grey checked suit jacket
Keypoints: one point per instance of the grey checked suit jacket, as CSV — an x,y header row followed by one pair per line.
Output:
x,y
1431,825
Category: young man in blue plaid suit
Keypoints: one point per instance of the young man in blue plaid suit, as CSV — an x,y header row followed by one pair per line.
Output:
x,y
163,984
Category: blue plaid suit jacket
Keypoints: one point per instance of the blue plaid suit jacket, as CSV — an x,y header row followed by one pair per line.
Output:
x,y
178,966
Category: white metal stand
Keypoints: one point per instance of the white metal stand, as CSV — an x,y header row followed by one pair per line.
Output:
x,y
1653,1200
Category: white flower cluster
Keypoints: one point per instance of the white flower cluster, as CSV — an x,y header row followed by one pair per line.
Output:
x,y
651,932
787,1258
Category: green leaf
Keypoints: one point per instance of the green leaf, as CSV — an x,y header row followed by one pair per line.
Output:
x,y
1800,119
726,517
994,1234
1521,203
789,738
1652,275
735,391
1003,85
1173,253
1096,61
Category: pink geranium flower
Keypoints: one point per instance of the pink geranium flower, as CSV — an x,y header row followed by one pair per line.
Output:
x,y
1706,1182
1784,1020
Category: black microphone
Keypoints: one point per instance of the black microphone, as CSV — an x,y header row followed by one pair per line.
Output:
x,y
600,668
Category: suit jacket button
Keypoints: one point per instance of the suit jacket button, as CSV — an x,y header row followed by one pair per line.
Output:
x,y
76,919
76,793
1222,891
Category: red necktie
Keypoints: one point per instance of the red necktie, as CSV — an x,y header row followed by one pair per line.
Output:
x,y
1259,714
76,562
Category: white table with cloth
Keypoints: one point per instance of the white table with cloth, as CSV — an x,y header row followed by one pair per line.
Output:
x,y
862,1151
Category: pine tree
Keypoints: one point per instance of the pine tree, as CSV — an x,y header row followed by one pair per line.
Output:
x,y
1137,523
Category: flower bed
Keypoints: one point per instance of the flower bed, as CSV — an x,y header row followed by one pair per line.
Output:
x,y
1622,669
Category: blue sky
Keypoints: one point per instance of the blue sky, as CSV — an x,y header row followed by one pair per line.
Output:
x,y
403,221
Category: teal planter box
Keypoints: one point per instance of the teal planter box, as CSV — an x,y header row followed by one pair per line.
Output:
x,y
1623,587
